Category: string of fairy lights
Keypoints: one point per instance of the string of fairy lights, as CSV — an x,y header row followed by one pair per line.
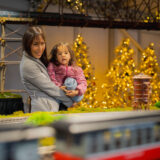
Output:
x,y
77,5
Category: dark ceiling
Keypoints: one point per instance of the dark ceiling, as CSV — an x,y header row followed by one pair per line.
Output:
x,y
135,14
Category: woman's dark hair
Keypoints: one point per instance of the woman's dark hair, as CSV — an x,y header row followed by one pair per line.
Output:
x,y
54,54
27,41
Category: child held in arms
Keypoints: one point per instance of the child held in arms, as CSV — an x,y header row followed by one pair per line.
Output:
x,y
64,72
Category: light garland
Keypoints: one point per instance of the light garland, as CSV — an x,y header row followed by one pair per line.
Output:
x,y
77,5
155,17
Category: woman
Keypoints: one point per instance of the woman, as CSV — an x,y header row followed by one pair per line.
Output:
x,y
43,92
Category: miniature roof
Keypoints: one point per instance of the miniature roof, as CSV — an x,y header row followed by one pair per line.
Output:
x,y
141,76
88,122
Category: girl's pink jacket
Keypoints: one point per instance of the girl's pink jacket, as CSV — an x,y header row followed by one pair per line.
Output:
x,y
59,73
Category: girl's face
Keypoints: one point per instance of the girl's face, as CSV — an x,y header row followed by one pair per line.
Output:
x,y
63,55
38,47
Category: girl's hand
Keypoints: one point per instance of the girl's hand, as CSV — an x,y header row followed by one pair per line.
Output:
x,y
63,88
72,93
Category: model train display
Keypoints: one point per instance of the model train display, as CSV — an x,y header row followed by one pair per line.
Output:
x,y
109,136
86,136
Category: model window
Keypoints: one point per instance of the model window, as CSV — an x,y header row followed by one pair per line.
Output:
x,y
127,137
107,140
149,135
157,132
118,139
61,136
77,139
139,136
69,140
94,142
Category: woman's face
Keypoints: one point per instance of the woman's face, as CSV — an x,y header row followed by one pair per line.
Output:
x,y
37,47
63,55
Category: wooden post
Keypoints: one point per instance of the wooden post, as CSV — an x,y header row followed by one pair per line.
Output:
x,y
132,39
2,65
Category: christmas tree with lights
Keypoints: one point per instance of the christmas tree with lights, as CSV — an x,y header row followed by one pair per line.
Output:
x,y
149,66
80,49
118,86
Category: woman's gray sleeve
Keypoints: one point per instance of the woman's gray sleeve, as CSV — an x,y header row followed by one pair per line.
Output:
x,y
34,75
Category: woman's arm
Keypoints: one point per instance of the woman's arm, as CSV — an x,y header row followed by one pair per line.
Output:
x,y
36,77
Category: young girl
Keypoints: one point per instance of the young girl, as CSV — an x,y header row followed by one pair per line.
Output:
x,y
65,74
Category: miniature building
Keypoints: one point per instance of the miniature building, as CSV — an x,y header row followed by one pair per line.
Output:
x,y
142,91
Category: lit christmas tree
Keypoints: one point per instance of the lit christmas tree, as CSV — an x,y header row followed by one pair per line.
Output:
x,y
80,50
118,86
149,66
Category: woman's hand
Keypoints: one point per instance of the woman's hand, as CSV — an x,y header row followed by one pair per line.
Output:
x,y
73,105
72,93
